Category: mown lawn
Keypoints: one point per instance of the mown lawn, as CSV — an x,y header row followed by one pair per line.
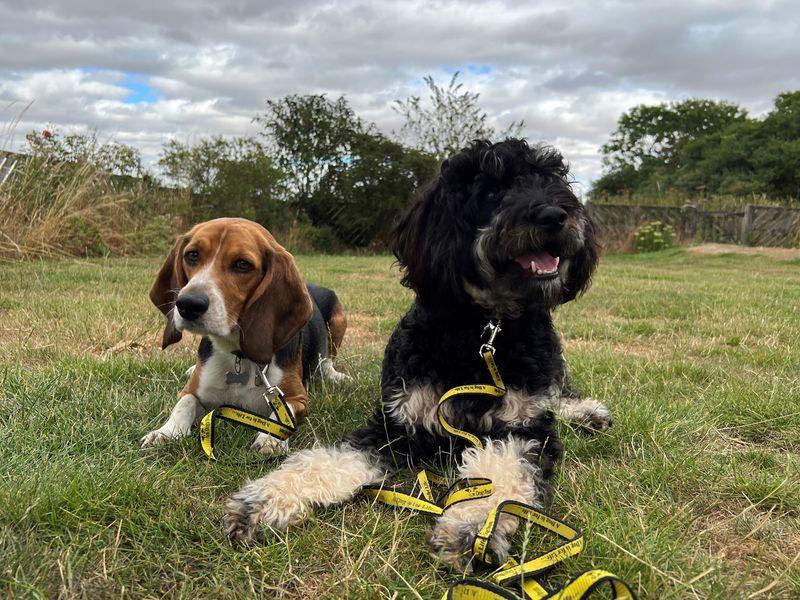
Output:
x,y
694,493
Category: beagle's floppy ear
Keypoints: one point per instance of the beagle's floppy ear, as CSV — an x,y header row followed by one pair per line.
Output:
x,y
279,307
170,279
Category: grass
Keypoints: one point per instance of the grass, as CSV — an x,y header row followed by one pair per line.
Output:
x,y
694,493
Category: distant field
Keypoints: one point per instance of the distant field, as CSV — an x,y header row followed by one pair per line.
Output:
x,y
694,493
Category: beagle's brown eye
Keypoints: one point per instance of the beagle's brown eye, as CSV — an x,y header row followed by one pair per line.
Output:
x,y
243,266
192,257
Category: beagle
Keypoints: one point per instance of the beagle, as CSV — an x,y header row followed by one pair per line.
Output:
x,y
229,281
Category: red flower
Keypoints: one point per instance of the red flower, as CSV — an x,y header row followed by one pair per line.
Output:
x,y
46,133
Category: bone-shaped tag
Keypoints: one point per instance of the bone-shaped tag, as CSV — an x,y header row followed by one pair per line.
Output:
x,y
237,378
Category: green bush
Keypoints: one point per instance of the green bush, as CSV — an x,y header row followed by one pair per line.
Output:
x,y
653,236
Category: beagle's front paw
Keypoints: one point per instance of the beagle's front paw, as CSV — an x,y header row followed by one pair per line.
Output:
x,y
269,445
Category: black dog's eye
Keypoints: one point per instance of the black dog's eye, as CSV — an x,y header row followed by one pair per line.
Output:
x,y
192,257
243,266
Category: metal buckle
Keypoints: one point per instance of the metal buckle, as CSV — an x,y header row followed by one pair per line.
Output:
x,y
493,329
271,390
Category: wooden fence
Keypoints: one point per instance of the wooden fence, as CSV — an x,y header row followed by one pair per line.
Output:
x,y
750,225
8,161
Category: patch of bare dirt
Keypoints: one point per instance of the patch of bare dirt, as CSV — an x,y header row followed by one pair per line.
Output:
x,y
778,253
360,337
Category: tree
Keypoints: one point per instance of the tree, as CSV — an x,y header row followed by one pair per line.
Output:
x,y
650,144
308,136
447,121
227,177
706,146
195,167
360,198
777,158
657,133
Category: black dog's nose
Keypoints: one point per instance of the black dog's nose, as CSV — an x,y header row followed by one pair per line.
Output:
x,y
191,306
549,218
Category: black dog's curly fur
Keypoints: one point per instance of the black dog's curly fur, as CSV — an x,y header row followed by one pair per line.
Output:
x,y
464,247
436,342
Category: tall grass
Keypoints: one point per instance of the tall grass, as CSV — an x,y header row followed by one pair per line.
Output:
x,y
51,208
62,209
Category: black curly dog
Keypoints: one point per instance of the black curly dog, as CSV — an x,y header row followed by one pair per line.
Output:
x,y
499,235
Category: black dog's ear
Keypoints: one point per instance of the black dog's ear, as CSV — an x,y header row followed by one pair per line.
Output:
x,y
408,236
433,239
582,265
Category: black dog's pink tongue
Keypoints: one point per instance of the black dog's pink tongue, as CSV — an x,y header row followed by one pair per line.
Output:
x,y
539,260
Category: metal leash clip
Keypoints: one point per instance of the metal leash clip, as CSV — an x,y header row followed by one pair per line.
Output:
x,y
493,329
272,390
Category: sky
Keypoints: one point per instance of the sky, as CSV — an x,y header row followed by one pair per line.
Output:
x,y
144,72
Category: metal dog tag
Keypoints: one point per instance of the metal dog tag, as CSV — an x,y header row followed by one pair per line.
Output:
x,y
241,378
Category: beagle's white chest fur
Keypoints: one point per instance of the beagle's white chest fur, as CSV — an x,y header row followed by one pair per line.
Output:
x,y
224,379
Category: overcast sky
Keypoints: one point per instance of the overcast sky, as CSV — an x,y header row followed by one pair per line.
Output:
x,y
142,72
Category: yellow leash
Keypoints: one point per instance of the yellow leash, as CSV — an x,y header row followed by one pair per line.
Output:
x,y
282,428
461,491
579,588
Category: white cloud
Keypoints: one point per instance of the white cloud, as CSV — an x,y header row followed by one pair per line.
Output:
x,y
569,70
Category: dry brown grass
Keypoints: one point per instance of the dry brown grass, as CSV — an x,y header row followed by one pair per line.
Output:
x,y
714,249
51,209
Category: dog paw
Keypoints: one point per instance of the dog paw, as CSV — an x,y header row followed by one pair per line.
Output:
x,y
592,415
269,445
451,541
154,438
255,507
339,377
331,374
241,521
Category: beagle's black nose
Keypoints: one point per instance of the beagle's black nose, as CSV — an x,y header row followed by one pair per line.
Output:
x,y
549,218
191,306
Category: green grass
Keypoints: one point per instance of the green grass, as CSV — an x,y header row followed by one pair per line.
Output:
x,y
694,493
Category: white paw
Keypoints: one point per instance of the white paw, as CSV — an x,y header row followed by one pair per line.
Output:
x,y
154,438
330,373
259,504
592,414
339,377
269,445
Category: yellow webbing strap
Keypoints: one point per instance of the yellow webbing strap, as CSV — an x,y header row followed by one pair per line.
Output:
x,y
579,588
497,390
572,546
584,584
461,491
512,572
475,589
282,428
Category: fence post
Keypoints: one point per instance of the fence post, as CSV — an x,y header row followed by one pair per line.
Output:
x,y
747,224
689,221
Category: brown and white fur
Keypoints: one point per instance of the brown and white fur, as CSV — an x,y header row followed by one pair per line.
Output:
x,y
231,282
